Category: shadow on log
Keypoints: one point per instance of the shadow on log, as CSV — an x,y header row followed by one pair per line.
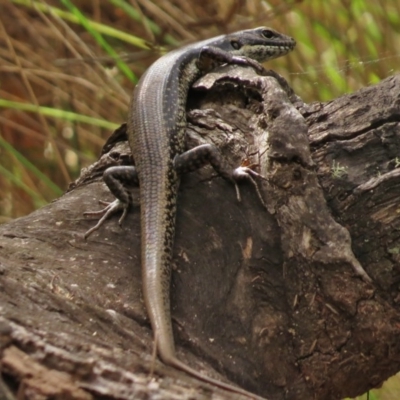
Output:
x,y
294,299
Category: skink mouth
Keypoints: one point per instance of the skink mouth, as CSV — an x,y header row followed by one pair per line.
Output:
x,y
267,50
289,42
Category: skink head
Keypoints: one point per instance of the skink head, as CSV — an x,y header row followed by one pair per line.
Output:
x,y
260,44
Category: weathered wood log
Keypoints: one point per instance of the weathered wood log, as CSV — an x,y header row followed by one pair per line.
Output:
x,y
273,297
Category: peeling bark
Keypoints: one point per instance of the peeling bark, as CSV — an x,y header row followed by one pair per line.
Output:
x,y
296,298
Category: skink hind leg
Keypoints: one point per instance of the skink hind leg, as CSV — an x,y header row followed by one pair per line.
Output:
x,y
117,179
202,155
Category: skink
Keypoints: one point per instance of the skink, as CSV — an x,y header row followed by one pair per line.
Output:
x,y
156,133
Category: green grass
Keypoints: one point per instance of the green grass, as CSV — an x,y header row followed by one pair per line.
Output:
x,y
58,114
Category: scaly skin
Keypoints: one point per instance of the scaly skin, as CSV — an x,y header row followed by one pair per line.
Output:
x,y
156,132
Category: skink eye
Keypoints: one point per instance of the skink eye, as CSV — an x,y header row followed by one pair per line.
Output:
x,y
267,33
235,44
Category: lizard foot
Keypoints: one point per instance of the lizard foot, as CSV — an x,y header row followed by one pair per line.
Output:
x,y
248,173
106,212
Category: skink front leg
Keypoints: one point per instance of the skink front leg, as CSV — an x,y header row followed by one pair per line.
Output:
x,y
202,155
118,179
211,57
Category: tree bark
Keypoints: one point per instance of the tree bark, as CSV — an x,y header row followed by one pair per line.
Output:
x,y
291,294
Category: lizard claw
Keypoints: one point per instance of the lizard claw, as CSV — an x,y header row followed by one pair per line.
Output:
x,y
248,173
110,209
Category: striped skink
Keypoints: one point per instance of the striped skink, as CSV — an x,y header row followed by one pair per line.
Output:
x,y
156,133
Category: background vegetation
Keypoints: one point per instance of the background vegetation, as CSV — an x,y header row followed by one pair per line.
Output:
x,y
60,100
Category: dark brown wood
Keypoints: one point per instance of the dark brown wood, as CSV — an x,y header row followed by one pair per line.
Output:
x,y
267,297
